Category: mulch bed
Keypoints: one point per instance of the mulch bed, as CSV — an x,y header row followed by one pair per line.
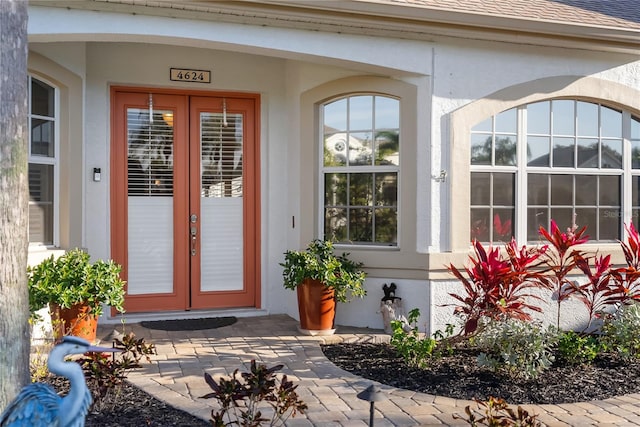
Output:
x,y
132,407
458,376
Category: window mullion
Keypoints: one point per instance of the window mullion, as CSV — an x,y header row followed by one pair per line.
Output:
x,y
521,210
627,176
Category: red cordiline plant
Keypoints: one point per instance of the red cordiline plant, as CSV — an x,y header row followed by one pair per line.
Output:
x,y
608,286
596,293
496,286
562,259
626,280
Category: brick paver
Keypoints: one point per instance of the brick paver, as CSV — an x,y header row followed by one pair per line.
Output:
x,y
330,392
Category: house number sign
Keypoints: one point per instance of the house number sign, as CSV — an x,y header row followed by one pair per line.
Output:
x,y
187,75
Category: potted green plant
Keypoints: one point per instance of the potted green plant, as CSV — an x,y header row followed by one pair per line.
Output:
x,y
75,289
321,279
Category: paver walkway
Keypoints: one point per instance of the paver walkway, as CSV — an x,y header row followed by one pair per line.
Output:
x,y
176,376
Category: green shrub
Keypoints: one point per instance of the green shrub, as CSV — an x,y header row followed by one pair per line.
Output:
x,y
417,348
318,262
574,349
621,331
72,279
515,347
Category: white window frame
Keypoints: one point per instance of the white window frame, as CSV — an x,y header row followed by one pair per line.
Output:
x,y
349,170
53,161
522,170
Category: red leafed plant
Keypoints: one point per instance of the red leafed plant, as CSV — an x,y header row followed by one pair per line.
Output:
x,y
240,397
596,293
626,286
496,286
607,286
561,260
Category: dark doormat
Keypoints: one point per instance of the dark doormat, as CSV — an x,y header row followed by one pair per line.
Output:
x,y
189,324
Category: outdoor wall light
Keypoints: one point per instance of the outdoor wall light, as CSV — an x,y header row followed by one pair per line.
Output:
x,y
372,394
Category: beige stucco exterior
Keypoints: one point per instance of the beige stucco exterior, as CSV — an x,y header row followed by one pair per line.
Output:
x,y
448,77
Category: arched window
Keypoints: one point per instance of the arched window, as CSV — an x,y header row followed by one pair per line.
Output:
x,y
43,162
360,166
558,159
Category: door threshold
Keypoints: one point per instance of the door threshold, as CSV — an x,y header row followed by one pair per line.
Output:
x,y
180,315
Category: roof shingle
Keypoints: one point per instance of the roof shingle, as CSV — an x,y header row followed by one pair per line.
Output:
x,y
624,14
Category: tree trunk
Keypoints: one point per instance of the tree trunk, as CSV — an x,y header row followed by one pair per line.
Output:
x,y
14,299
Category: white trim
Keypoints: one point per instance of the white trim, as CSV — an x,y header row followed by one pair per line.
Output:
x,y
354,169
53,161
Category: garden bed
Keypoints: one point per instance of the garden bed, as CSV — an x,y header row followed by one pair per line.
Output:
x,y
132,406
459,376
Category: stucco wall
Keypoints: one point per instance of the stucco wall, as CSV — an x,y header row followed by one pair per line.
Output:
x,y
282,65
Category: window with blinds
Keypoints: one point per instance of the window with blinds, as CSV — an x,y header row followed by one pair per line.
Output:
x,y
43,162
221,154
150,152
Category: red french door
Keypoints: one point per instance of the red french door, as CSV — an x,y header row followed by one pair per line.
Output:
x,y
185,199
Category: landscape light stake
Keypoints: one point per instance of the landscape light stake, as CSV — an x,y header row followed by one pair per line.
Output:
x,y
372,394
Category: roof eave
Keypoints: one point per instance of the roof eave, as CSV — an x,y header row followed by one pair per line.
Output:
x,y
367,17
426,15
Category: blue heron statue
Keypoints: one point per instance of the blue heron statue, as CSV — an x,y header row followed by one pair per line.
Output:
x,y
38,405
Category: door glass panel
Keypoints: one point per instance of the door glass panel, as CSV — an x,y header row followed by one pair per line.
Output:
x,y
150,153
150,201
221,203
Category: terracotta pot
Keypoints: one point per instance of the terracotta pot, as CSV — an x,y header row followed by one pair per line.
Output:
x,y
317,308
76,320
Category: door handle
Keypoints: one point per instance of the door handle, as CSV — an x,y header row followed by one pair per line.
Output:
x,y
194,235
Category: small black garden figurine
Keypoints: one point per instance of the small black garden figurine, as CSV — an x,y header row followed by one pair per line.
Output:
x,y
389,292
